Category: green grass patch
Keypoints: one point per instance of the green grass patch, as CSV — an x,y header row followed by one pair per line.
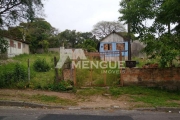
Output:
x,y
155,101
152,96
52,99
98,76
142,62
90,91
39,80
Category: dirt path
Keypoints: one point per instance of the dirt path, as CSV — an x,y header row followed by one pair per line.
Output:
x,y
82,101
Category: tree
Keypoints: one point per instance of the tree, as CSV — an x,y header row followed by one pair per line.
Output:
x,y
45,45
89,45
3,45
87,41
69,38
37,31
33,32
104,28
74,39
12,11
161,42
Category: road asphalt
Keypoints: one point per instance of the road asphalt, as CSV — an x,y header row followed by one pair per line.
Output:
x,y
22,113
35,105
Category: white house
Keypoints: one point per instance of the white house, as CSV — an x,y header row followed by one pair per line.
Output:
x,y
17,47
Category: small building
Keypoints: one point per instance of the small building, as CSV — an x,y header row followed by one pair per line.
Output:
x,y
112,45
16,47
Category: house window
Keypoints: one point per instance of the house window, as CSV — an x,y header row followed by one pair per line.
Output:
x,y
19,45
107,46
11,43
120,46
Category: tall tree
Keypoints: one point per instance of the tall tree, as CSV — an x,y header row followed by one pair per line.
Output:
x,y
12,11
161,41
87,41
15,11
69,38
103,28
74,39
38,31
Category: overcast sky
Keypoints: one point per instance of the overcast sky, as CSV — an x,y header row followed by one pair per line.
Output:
x,y
80,15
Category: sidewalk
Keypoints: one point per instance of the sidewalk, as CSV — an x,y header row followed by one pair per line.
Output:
x,y
70,101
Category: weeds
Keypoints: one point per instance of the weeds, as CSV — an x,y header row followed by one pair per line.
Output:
x,y
52,99
11,74
40,65
61,86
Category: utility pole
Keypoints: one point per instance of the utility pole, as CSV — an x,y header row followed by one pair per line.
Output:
x,y
129,38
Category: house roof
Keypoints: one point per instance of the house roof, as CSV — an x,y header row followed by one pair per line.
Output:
x,y
8,37
121,34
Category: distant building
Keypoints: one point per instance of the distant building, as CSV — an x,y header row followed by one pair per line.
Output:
x,y
16,47
111,45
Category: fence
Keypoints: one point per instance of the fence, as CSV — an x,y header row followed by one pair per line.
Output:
x,y
95,75
164,77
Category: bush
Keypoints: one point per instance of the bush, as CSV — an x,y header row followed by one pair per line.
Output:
x,y
12,74
20,73
40,65
22,85
61,86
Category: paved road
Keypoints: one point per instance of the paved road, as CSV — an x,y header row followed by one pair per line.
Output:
x,y
17,113
84,117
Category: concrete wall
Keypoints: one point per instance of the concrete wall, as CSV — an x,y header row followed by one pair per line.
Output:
x,y
14,50
16,47
164,77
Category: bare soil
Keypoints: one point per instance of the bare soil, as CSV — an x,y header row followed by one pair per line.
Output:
x,y
95,101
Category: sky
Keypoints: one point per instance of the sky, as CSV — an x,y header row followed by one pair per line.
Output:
x,y
80,15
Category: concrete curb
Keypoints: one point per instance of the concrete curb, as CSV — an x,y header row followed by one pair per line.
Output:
x,y
169,109
161,109
146,109
35,105
27,104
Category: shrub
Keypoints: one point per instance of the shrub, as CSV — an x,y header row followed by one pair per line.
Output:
x,y
22,85
40,65
19,73
61,86
12,74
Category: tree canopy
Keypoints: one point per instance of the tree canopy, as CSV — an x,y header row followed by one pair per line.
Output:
x,y
74,39
162,37
12,11
103,28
